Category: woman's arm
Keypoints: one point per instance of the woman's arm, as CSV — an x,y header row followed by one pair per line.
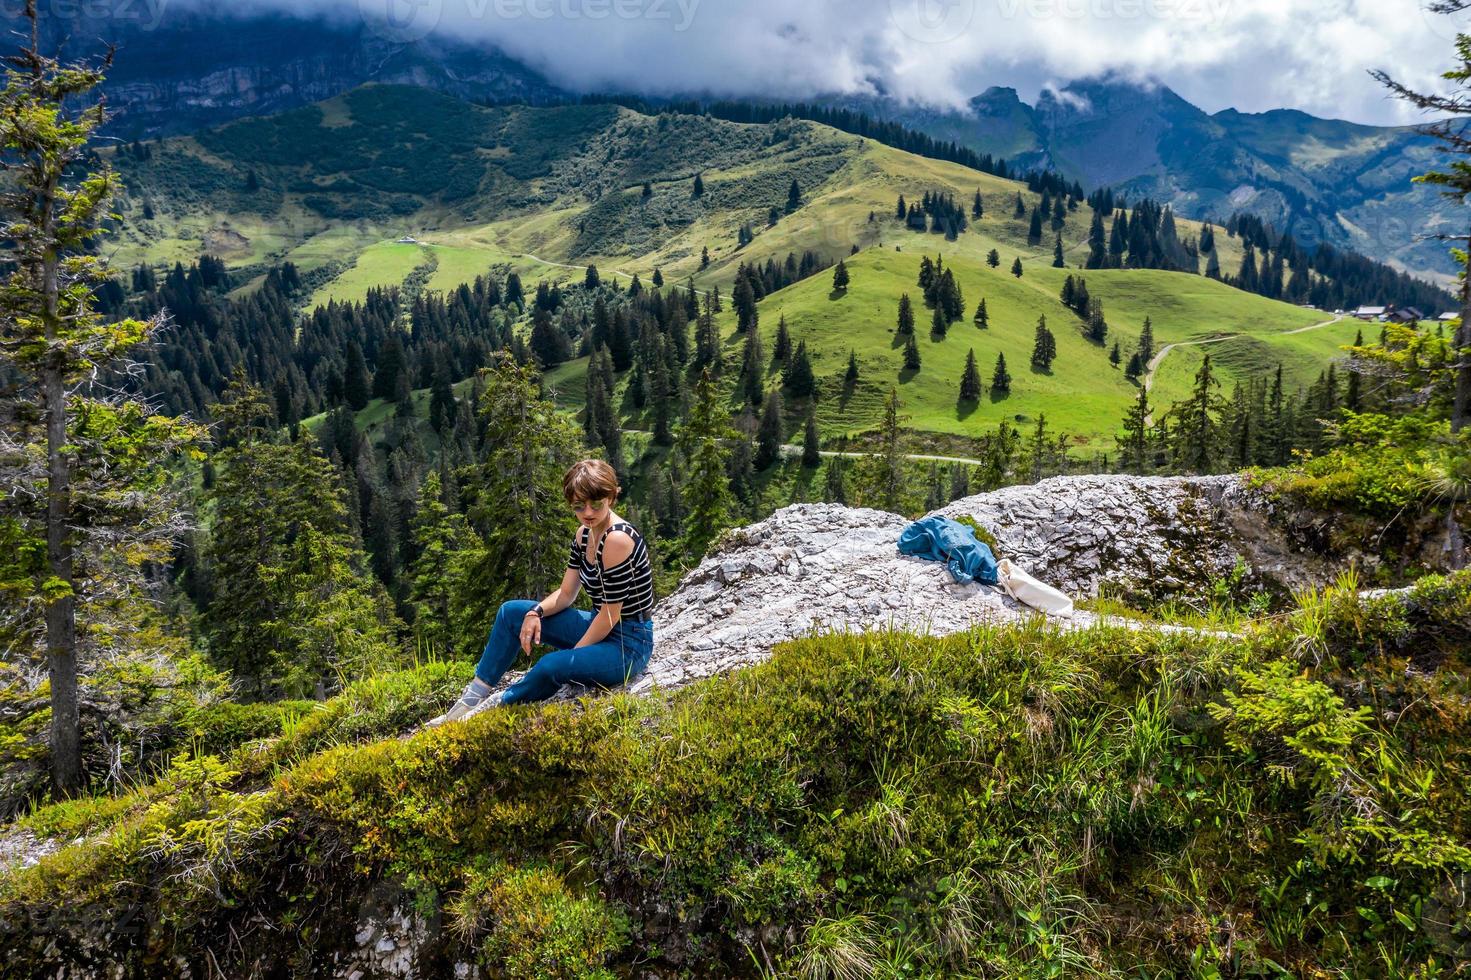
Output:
x,y
564,595
602,624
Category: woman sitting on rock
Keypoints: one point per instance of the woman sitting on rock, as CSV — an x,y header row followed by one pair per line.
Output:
x,y
606,646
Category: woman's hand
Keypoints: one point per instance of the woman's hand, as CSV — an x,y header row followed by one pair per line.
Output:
x,y
530,631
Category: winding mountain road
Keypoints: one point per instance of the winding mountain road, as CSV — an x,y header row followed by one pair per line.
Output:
x,y
1159,355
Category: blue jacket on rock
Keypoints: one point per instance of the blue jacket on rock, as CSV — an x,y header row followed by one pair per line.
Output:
x,y
941,539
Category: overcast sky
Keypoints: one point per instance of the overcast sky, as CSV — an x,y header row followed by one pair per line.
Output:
x,y
1250,54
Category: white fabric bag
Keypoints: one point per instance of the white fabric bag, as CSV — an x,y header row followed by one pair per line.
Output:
x,y
1023,588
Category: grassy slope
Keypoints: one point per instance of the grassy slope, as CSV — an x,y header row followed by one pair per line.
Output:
x,y
562,187
1082,395
1008,801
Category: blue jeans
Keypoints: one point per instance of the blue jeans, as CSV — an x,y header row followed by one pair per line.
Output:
x,y
623,653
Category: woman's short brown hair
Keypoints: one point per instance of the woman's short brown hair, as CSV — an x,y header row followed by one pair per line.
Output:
x,y
590,479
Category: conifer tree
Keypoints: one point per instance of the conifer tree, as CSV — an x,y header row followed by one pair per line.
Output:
x,y
1037,448
355,385
937,322
89,489
794,196
1196,429
798,378
769,435
1114,356
850,376
1133,368
811,456
1097,247
911,354
293,606
1133,445
982,319
441,397
1000,377
993,258
840,277
1146,342
833,483
699,188
1016,266
548,343
1057,259
620,342
889,486
1097,325
1020,209
970,379
906,315
442,539
707,491
753,376
976,207
1044,346
781,351
744,298
514,499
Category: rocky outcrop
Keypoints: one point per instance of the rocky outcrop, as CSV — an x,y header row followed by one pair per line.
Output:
x,y
1147,538
819,567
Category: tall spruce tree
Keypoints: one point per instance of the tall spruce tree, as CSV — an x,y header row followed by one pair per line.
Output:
x,y
442,539
514,493
911,354
1044,346
1133,445
89,494
811,455
970,379
888,485
1000,377
1196,426
798,378
905,323
841,277
769,435
1450,108
753,371
707,491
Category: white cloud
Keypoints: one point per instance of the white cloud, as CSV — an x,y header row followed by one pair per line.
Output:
x,y
1248,54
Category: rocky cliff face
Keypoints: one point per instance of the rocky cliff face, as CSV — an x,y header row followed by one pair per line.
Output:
x,y
179,70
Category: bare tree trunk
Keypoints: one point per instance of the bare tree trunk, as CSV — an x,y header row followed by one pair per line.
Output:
x,y
61,613
1463,356
61,620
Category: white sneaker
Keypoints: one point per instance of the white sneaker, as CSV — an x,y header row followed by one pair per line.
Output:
x,y
471,701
